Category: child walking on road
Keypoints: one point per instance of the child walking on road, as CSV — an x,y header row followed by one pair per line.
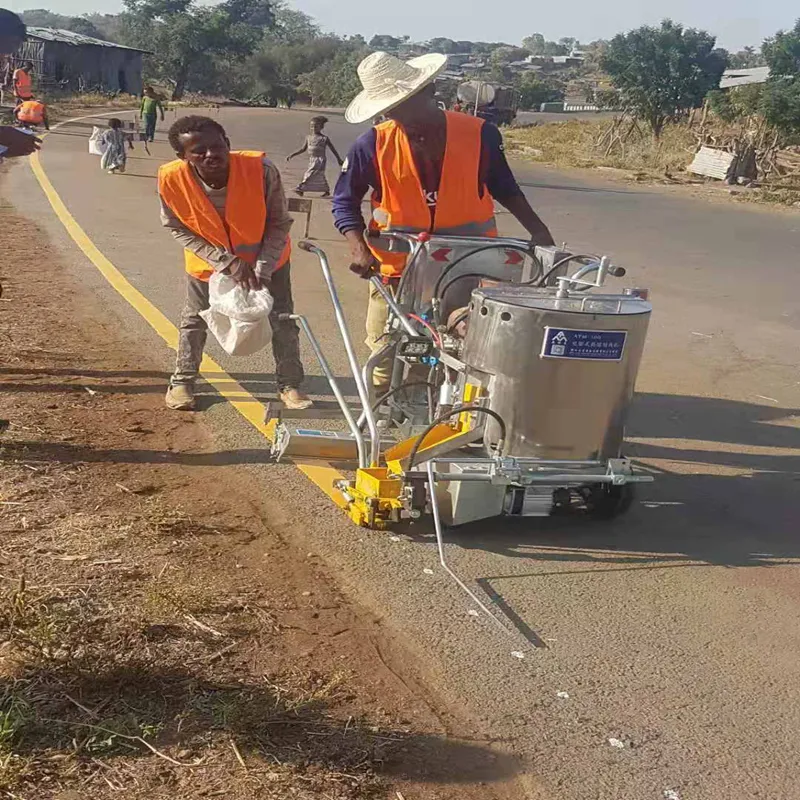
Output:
x,y
151,105
114,140
316,144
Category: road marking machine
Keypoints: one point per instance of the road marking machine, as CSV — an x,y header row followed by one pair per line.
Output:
x,y
511,380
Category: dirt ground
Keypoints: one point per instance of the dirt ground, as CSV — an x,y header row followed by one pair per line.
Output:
x,y
157,639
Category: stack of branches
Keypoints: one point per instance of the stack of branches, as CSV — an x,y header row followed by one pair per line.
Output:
x,y
617,134
754,142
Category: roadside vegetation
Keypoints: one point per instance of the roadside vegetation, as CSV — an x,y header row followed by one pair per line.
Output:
x,y
656,132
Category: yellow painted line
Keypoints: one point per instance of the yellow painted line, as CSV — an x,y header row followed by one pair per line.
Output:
x,y
321,474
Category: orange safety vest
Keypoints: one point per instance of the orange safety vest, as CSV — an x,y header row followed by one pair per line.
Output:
x,y
460,208
245,210
31,111
23,85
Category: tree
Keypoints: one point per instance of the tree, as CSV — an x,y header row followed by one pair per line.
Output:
x,y
738,103
782,52
533,91
384,42
194,45
85,27
782,91
663,72
293,26
442,45
746,58
335,82
534,44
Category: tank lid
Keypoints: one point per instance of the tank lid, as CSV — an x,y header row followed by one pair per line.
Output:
x,y
545,300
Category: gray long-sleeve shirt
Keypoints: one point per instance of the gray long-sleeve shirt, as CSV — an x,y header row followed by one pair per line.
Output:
x,y
276,230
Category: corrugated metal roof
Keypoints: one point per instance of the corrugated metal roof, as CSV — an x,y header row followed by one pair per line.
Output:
x,y
70,37
712,163
743,77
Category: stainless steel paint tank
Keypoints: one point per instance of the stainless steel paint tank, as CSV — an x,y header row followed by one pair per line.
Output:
x,y
561,372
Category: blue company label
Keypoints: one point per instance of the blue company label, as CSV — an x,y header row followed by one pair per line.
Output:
x,y
583,345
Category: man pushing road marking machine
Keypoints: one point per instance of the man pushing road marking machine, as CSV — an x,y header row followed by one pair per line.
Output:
x,y
506,380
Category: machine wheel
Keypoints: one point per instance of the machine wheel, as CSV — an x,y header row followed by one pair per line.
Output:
x,y
604,501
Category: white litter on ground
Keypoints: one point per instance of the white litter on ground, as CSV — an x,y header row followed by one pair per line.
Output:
x,y
618,743
517,654
428,571
563,695
671,794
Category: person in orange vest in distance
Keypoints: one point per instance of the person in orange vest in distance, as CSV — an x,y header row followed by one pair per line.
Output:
x,y
31,112
228,209
428,169
23,82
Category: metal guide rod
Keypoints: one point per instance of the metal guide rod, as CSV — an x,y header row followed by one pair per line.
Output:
x,y
375,443
437,524
337,392
393,307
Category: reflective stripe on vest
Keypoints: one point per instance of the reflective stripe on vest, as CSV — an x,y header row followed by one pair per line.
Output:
x,y
460,209
31,111
245,210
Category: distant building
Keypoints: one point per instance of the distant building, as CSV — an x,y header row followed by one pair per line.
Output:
x,y
74,62
732,78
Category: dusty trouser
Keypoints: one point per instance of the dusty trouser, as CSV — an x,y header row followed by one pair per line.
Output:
x,y
377,316
457,296
285,333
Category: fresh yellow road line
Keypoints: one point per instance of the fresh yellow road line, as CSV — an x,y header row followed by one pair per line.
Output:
x,y
322,474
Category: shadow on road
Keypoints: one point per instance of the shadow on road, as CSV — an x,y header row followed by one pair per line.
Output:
x,y
712,503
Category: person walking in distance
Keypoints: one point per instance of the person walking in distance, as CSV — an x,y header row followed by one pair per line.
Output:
x,y
151,106
316,145
23,82
428,169
228,209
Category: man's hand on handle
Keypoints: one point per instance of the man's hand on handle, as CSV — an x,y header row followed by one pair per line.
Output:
x,y
362,259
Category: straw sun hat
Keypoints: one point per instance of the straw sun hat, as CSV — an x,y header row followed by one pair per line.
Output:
x,y
388,81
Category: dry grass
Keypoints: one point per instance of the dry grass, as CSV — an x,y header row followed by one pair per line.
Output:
x,y
575,144
109,666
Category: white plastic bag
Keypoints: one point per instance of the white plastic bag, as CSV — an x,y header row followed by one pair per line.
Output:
x,y
238,318
96,144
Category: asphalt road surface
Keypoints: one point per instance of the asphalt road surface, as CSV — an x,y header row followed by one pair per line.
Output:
x,y
674,631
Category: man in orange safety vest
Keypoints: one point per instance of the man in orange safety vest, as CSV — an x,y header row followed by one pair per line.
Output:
x,y
229,211
427,169
31,113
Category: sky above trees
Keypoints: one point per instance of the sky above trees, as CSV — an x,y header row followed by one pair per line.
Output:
x,y
736,23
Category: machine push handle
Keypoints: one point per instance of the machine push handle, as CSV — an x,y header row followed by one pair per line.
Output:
x,y
341,323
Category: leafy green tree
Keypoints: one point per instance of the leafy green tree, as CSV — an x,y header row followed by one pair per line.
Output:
x,y
782,52
738,103
442,45
746,58
782,91
662,72
195,46
292,26
534,91
383,41
534,44
335,82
